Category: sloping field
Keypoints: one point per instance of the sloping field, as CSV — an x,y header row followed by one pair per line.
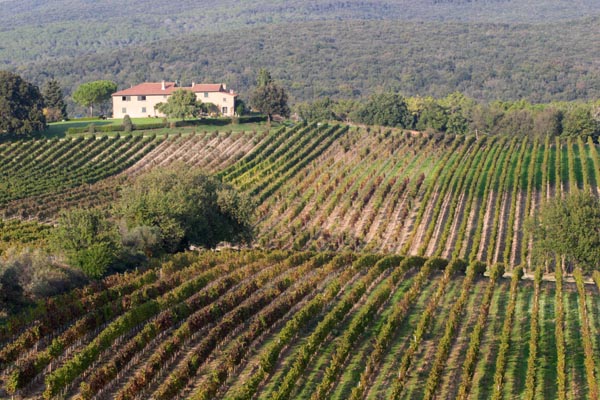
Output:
x,y
41,177
303,325
330,187
334,187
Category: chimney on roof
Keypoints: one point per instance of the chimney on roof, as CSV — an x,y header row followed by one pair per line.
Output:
x,y
224,86
163,85
231,91
193,84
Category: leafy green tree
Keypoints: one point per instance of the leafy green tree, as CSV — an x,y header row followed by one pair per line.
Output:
x,y
568,230
209,108
269,98
240,107
318,110
21,105
579,121
94,93
181,104
388,109
54,102
187,207
344,109
459,109
548,122
264,78
433,116
88,239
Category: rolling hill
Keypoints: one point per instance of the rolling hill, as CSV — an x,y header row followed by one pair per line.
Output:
x,y
350,292
334,187
542,50
253,324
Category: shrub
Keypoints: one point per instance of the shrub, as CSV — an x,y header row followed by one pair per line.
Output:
x,y
186,207
28,275
478,267
127,124
87,239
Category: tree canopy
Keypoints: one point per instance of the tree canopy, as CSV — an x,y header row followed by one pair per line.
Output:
x,y
568,230
268,97
55,108
94,93
187,207
181,104
21,105
387,109
88,240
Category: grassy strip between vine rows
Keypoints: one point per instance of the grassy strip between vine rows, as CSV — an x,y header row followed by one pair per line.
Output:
x,y
422,327
392,323
586,334
505,337
468,368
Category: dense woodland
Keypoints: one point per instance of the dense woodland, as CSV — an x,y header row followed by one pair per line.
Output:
x,y
337,49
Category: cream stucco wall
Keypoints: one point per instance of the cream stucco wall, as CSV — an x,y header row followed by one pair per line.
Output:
x,y
138,107
220,99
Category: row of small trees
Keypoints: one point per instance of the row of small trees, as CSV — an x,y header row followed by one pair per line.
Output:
x,y
25,109
459,114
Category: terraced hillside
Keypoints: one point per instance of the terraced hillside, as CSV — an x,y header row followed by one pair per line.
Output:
x,y
302,325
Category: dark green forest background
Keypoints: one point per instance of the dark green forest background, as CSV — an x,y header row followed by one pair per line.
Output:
x,y
539,50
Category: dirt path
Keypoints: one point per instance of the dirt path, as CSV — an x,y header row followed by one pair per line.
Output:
x,y
388,219
487,225
452,373
456,222
515,254
501,229
440,222
470,228
419,231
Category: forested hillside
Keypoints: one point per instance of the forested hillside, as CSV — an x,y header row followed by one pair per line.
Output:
x,y
353,59
488,50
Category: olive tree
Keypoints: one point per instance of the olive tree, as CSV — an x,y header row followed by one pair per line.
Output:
x,y
181,104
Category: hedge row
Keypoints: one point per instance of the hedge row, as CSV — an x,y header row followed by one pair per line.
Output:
x,y
163,124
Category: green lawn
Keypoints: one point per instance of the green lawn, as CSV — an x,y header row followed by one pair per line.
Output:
x,y
59,129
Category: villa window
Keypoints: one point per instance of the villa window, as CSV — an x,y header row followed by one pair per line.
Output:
x,y
124,110
126,98
224,110
205,94
143,109
141,98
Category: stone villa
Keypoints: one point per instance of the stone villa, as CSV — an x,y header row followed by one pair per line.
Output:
x,y
139,101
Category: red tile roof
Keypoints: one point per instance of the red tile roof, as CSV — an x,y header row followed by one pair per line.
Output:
x,y
148,89
207,87
155,89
